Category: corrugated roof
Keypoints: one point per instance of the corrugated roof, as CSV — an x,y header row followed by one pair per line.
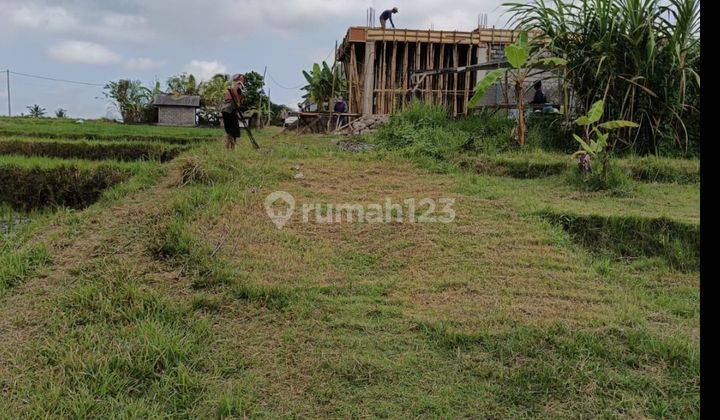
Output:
x,y
164,99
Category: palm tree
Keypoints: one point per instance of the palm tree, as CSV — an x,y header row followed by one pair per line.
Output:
x,y
61,113
36,111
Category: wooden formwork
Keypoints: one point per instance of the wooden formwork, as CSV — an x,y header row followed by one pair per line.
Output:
x,y
378,64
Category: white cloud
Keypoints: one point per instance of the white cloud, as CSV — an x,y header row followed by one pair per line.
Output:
x,y
122,27
140,64
204,70
83,52
53,18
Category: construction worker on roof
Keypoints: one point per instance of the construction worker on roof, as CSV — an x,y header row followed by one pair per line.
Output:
x,y
387,15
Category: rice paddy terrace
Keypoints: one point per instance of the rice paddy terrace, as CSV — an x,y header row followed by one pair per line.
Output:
x,y
46,163
141,277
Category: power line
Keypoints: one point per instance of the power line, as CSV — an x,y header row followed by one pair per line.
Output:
x,y
35,76
282,86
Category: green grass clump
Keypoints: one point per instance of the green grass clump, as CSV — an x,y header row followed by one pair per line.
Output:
x,y
515,165
132,351
539,364
615,179
657,169
123,151
18,265
675,242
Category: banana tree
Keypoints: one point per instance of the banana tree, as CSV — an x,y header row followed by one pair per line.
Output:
x,y
525,61
594,145
322,82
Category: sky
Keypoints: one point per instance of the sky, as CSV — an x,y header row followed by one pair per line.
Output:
x,y
95,41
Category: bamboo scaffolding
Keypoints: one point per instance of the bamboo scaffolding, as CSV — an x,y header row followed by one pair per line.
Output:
x,y
379,62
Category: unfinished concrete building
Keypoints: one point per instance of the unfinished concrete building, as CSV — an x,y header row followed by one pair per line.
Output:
x,y
379,62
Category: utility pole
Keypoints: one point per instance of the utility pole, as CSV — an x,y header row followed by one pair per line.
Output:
x,y
261,118
7,76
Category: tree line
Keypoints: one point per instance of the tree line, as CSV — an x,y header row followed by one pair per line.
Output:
x,y
134,101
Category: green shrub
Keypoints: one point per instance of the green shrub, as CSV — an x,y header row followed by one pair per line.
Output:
x,y
91,151
429,130
632,237
27,188
425,130
549,132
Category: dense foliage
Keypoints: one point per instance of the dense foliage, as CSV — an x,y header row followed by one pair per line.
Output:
x,y
641,56
524,60
428,130
132,100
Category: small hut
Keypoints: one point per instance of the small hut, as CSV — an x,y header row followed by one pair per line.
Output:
x,y
176,109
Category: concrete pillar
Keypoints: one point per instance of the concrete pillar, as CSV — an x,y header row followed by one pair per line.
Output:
x,y
369,76
483,55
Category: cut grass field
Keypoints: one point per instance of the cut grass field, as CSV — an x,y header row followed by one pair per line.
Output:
x,y
177,296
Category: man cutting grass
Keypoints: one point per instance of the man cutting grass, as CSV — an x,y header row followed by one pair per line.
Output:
x,y
387,15
233,99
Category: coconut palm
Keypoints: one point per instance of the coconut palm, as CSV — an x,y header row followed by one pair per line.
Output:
x,y
36,111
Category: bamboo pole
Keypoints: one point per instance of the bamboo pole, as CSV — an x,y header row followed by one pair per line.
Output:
x,y
383,67
455,80
467,77
406,72
332,94
428,66
441,80
393,67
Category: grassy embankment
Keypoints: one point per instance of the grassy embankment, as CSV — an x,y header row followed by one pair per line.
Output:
x,y
179,297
